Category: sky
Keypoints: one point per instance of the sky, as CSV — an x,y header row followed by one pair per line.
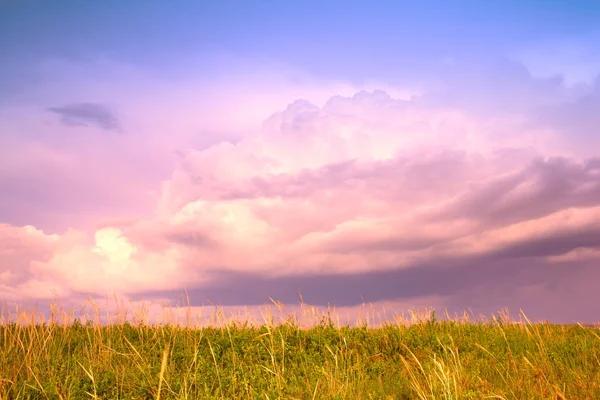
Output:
x,y
440,154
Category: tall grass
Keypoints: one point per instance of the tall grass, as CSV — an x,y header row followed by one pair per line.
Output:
x,y
122,356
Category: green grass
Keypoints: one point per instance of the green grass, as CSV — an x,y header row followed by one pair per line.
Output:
x,y
429,359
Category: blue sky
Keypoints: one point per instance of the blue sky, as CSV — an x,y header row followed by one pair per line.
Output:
x,y
438,153
392,40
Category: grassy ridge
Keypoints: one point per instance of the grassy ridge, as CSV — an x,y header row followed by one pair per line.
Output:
x,y
426,360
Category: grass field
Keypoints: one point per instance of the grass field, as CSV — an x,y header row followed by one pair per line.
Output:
x,y
61,358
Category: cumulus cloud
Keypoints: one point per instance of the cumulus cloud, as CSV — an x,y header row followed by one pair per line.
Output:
x,y
20,249
108,176
367,194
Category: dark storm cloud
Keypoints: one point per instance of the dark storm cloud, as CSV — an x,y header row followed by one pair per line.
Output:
x,y
484,285
486,282
553,244
545,187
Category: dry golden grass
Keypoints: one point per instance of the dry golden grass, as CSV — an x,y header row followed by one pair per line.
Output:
x,y
303,353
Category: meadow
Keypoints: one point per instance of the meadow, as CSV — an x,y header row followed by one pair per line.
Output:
x,y
60,357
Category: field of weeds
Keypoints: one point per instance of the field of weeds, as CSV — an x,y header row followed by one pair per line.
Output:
x,y
64,358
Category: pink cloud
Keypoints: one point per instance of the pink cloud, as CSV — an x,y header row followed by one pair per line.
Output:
x,y
359,186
